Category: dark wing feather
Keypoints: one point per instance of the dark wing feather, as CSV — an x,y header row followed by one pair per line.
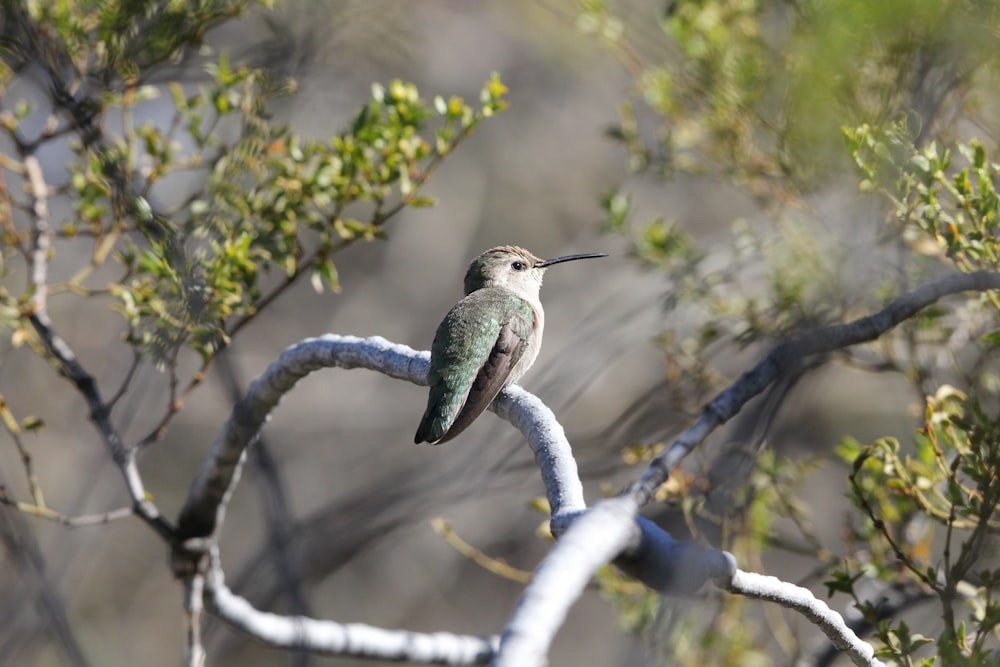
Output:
x,y
492,377
474,350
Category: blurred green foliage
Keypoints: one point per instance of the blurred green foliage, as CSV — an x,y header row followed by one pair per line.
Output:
x,y
264,200
759,98
939,208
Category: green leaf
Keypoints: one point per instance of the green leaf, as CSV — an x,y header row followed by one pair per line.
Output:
x,y
32,424
993,337
422,201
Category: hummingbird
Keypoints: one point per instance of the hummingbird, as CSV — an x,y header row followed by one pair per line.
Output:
x,y
487,341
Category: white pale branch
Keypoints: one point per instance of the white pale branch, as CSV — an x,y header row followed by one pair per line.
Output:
x,y
343,639
552,450
529,633
802,600
599,536
645,550
204,509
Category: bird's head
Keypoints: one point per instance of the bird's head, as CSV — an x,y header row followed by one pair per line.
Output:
x,y
513,268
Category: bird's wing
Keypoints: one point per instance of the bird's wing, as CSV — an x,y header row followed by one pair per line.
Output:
x,y
474,352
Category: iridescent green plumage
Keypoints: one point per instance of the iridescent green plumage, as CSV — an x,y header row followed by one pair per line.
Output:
x,y
475,348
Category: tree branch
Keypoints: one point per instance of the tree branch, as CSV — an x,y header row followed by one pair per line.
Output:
x,y
276,509
194,588
45,512
802,600
204,509
352,639
41,234
787,355
529,634
652,555
69,365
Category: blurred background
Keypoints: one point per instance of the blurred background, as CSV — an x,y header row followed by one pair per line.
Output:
x,y
337,456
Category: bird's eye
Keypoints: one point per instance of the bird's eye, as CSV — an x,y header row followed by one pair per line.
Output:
x,y
518,266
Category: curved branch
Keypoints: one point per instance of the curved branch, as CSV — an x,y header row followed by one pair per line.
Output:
x,y
205,506
597,537
350,639
650,553
790,596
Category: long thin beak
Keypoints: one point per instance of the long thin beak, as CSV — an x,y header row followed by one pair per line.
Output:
x,y
569,258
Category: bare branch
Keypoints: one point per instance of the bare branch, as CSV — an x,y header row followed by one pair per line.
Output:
x,y
790,596
100,415
204,509
787,355
41,234
64,356
45,512
553,454
651,554
194,589
129,376
446,530
599,536
352,639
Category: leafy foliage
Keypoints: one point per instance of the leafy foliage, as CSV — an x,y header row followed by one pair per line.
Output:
x,y
760,96
949,484
940,209
260,206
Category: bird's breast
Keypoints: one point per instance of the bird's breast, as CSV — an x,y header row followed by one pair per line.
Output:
x,y
534,344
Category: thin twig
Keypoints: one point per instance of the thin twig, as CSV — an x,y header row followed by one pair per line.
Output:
x,y
41,234
194,589
880,525
14,430
129,376
444,528
100,416
80,521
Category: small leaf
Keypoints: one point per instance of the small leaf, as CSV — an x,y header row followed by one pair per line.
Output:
x,y
993,337
422,202
316,281
32,424
19,337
